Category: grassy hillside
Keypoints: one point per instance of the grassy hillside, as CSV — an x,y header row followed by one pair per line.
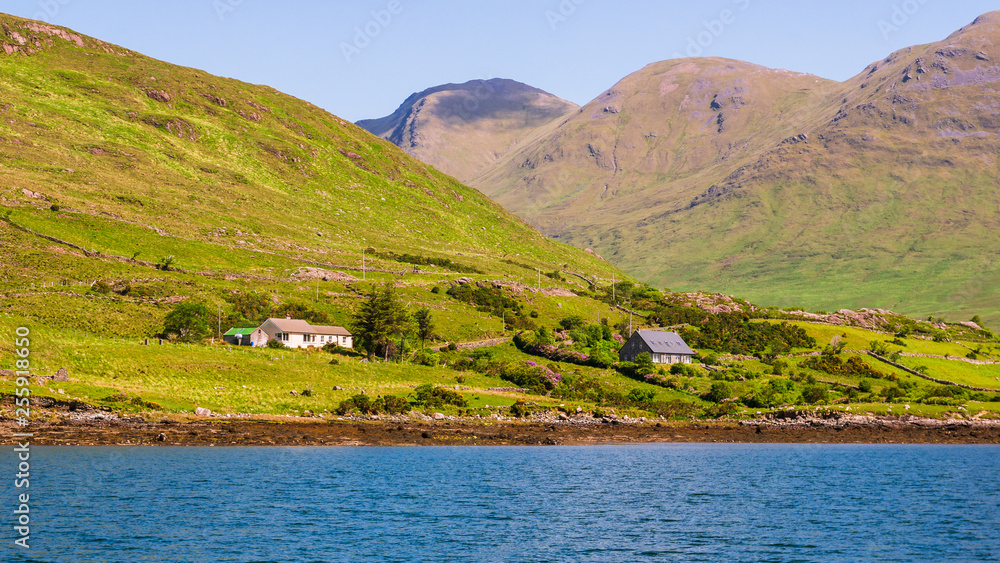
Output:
x,y
785,188
129,186
177,158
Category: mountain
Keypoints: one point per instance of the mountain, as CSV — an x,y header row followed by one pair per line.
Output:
x,y
785,187
461,129
119,153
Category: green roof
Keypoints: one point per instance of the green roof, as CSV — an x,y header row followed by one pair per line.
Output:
x,y
240,331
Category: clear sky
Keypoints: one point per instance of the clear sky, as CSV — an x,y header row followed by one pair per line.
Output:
x,y
361,58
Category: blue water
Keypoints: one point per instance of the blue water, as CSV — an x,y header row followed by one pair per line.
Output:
x,y
662,502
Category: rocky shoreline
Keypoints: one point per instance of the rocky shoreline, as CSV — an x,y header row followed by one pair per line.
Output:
x,y
101,429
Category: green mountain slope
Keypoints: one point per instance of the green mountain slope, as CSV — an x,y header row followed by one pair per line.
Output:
x,y
785,188
184,160
131,189
461,129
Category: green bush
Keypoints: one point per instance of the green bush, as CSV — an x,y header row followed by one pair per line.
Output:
x,y
101,288
854,366
359,403
772,394
815,393
363,404
276,344
571,322
426,358
430,396
720,390
187,322
893,392
520,409
539,379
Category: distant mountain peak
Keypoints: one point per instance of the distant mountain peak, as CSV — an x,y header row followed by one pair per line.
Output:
x,y
462,128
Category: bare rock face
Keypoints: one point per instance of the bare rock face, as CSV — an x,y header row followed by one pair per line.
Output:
x,y
202,411
159,95
61,375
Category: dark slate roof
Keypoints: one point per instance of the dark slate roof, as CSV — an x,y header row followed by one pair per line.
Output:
x,y
665,342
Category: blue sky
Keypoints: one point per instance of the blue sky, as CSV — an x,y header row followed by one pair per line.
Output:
x,y
361,58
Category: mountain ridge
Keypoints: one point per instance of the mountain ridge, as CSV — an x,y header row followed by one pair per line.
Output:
x,y
781,186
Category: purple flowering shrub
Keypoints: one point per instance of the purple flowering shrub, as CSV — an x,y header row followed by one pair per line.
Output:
x,y
528,374
602,353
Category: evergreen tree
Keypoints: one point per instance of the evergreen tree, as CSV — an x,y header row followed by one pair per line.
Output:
x,y
425,324
380,317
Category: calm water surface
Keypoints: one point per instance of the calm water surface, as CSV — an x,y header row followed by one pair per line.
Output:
x,y
663,502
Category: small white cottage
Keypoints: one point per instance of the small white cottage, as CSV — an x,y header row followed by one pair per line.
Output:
x,y
296,333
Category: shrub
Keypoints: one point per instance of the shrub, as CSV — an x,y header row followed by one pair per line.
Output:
x,y
101,288
432,397
571,322
276,344
363,404
720,390
737,334
815,393
530,375
426,358
520,409
359,403
452,346
638,397
854,366
391,404
188,322
894,392
771,394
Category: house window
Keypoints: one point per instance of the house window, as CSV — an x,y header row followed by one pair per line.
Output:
x,y
282,336
308,338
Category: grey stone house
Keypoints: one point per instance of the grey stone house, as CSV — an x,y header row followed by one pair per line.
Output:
x,y
662,347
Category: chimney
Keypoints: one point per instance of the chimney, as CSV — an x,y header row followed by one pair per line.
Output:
x,y
288,317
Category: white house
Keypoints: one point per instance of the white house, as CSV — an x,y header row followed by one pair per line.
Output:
x,y
662,347
296,333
